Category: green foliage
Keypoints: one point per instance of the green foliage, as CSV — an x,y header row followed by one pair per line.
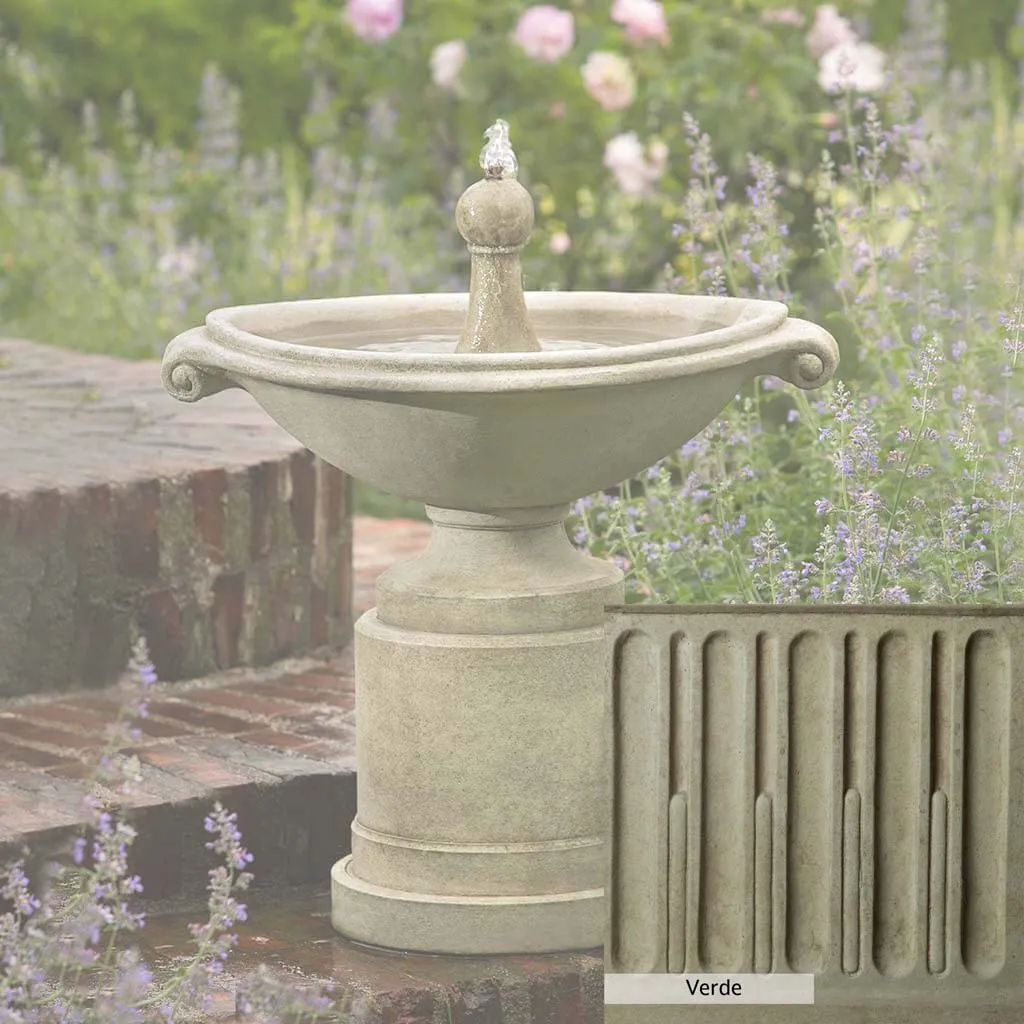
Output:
x,y
91,217
754,85
895,241
157,49
978,30
121,254
974,31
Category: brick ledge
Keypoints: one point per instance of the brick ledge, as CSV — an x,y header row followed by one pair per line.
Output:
x,y
204,526
277,746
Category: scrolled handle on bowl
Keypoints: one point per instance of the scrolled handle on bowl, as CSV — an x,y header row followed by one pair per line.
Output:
x,y
802,353
192,367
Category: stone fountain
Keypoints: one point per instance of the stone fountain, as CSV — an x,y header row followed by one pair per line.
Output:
x,y
481,675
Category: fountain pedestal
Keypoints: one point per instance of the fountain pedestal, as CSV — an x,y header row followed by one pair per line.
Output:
x,y
482,761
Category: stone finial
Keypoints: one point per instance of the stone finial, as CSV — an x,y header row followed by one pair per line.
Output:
x,y
495,217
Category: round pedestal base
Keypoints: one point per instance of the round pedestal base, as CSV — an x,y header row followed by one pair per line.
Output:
x,y
476,925
481,746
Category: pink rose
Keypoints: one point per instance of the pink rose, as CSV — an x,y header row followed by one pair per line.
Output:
x,y
609,80
560,243
783,16
446,63
374,20
643,20
830,29
545,32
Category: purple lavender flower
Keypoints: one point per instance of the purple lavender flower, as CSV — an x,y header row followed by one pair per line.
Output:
x,y
217,128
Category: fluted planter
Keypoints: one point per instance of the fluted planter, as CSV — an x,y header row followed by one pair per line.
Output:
x,y
829,790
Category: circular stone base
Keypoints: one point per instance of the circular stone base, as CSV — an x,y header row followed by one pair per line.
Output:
x,y
477,925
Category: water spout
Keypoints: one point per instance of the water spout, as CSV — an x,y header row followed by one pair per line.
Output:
x,y
495,217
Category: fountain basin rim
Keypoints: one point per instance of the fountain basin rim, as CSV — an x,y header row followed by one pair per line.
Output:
x,y
196,365
247,328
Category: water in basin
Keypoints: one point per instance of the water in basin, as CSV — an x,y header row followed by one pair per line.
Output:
x,y
401,340
447,344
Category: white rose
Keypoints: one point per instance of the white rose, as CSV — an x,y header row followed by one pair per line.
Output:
x,y
446,62
635,171
624,157
856,66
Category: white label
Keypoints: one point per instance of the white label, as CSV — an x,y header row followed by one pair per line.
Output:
x,y
709,989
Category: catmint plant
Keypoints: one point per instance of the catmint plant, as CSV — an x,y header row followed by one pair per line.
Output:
x,y
901,480
66,955
136,242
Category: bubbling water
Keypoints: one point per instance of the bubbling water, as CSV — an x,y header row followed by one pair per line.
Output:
x,y
497,158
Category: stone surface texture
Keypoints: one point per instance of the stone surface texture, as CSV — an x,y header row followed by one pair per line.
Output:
x,y
376,545
835,791
495,217
491,430
807,1015
209,529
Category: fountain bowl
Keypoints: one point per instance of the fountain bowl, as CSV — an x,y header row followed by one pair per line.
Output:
x,y
374,386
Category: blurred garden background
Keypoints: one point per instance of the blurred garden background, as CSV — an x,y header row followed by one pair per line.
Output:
x,y
860,161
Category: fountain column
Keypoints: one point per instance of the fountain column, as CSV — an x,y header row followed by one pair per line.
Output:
x,y
481,693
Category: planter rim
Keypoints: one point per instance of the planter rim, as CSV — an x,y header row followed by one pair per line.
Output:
x,y
962,610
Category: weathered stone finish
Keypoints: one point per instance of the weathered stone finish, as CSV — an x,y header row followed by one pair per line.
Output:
x,y
213,532
836,791
495,217
482,780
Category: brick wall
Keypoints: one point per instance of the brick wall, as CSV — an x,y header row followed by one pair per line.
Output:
x,y
212,531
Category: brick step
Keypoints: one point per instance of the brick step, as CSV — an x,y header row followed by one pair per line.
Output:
x,y
275,745
206,527
294,937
